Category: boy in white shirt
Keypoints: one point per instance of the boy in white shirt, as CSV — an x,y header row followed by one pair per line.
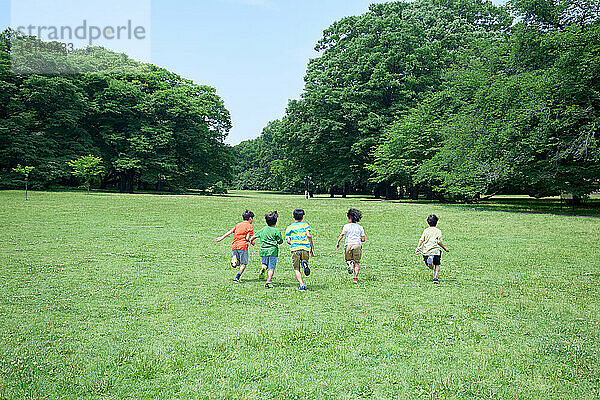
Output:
x,y
431,246
355,236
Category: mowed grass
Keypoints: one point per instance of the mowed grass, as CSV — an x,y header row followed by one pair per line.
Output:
x,y
128,296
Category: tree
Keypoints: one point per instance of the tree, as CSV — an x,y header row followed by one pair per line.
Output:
x,y
24,171
372,69
87,168
154,129
520,113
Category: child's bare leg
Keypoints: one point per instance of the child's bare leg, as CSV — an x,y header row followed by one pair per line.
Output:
x,y
298,275
242,269
356,269
270,274
436,271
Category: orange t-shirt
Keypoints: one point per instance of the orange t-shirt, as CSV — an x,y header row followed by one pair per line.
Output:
x,y
239,235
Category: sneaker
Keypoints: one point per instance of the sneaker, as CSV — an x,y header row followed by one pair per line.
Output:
x,y
302,288
435,280
268,285
233,261
351,267
262,274
237,278
305,267
355,280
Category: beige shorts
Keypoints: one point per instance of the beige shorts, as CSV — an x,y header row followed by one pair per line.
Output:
x,y
353,252
297,256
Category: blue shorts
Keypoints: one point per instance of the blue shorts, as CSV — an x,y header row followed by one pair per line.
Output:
x,y
241,256
270,262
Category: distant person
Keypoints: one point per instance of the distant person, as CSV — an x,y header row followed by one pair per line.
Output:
x,y
242,233
270,239
355,236
431,246
300,240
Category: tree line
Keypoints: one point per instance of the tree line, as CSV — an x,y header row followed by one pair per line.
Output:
x,y
450,99
151,128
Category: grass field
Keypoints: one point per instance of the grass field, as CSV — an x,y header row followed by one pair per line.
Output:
x,y
128,296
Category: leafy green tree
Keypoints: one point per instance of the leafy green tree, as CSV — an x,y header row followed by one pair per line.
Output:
x,y
87,168
24,171
373,68
153,128
519,114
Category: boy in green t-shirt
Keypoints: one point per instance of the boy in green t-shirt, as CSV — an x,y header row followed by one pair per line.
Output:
x,y
270,239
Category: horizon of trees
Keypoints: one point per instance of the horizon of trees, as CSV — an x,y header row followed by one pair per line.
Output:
x,y
153,129
451,99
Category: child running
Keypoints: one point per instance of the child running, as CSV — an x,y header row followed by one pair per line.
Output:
x,y
242,233
300,240
431,246
355,236
270,239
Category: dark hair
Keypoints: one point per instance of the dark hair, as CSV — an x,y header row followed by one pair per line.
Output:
x,y
298,214
271,218
354,215
246,215
432,220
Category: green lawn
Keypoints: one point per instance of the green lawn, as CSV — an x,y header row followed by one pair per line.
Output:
x,y
128,296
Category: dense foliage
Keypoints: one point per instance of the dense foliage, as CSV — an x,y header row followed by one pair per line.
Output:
x,y
152,128
521,113
456,99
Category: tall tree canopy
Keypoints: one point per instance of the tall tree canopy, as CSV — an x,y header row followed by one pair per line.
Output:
x,y
152,128
455,99
521,114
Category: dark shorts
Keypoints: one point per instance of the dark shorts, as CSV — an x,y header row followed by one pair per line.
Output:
x,y
436,259
298,256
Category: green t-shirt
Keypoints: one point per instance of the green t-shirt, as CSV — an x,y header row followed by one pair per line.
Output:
x,y
270,239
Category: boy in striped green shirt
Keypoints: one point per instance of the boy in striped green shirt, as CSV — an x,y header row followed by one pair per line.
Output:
x,y
300,240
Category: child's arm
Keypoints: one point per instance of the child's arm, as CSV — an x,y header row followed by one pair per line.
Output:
x,y
248,236
337,246
225,235
312,246
419,246
443,247
363,238
252,239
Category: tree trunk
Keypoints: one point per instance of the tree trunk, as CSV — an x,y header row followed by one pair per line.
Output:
x,y
26,190
331,192
345,190
126,181
391,192
413,192
377,191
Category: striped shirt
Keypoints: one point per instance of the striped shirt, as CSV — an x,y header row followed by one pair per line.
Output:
x,y
297,232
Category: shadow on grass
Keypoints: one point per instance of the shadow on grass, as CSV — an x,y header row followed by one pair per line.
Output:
x,y
589,208
281,285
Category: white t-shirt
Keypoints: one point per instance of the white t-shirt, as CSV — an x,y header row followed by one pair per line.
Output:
x,y
430,239
353,233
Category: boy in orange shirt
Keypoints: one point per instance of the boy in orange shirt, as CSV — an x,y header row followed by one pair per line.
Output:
x,y
242,233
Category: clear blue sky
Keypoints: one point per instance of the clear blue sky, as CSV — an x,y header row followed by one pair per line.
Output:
x,y
254,52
